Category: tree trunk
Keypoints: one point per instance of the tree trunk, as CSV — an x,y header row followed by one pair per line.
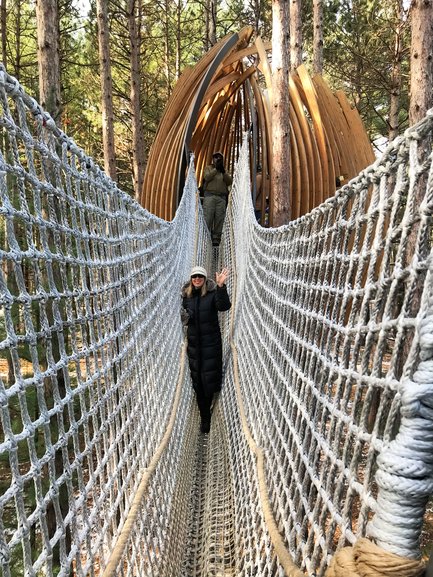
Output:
x,y
394,100
421,86
178,39
421,60
317,36
106,89
3,16
138,156
296,43
206,25
280,211
212,22
47,17
167,48
17,60
257,16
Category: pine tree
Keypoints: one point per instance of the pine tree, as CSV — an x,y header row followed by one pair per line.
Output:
x,y
296,42
47,17
280,211
106,89
421,62
317,36
138,152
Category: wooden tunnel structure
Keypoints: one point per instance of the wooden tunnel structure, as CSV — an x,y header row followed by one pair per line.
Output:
x,y
228,92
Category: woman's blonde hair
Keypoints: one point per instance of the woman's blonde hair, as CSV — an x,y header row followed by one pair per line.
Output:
x,y
189,289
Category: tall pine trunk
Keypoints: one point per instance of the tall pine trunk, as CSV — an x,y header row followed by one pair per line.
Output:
x,y
280,209
48,35
3,18
212,22
317,36
167,68
17,62
296,41
47,17
210,15
421,60
178,39
394,100
257,16
421,86
106,89
138,156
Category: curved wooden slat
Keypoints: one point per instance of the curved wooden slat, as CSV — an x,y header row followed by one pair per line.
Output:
x,y
210,110
314,111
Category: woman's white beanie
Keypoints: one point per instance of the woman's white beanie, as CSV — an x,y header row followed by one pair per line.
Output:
x,y
199,270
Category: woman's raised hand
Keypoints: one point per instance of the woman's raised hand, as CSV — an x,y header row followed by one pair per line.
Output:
x,y
221,277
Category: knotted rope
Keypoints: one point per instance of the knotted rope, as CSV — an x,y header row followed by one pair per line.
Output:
x,y
365,559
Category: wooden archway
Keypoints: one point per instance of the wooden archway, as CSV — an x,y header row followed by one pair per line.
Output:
x,y
229,91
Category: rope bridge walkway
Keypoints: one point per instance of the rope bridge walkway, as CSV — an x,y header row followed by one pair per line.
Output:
x,y
322,436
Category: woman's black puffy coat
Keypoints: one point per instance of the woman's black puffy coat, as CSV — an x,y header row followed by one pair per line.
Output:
x,y
204,336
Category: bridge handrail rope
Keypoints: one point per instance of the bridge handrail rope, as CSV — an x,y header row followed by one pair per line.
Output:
x,y
118,551
384,191
282,552
323,432
78,255
119,548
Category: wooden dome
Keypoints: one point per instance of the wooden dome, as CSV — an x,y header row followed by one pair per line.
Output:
x,y
228,92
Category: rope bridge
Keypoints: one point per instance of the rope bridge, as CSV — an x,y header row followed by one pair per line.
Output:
x,y
323,432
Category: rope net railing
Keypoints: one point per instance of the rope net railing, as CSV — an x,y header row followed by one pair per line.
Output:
x,y
332,334
323,431
90,345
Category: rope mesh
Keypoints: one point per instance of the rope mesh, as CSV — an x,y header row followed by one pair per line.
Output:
x,y
323,432
329,331
90,340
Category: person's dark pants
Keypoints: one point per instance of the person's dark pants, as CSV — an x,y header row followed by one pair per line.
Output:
x,y
204,403
214,210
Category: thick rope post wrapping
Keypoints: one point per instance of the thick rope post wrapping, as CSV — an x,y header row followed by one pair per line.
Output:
x,y
365,559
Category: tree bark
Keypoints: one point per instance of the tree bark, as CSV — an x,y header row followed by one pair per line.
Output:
x,y
280,208
257,17
296,42
206,25
167,47
106,89
47,18
178,39
394,100
212,22
48,35
17,60
138,155
3,16
317,36
421,72
421,86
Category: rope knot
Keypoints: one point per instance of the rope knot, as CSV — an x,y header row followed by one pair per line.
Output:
x,y
365,559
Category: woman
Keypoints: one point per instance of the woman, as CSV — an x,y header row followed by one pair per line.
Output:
x,y
202,299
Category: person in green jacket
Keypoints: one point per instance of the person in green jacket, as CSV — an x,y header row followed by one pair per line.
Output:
x,y
216,191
